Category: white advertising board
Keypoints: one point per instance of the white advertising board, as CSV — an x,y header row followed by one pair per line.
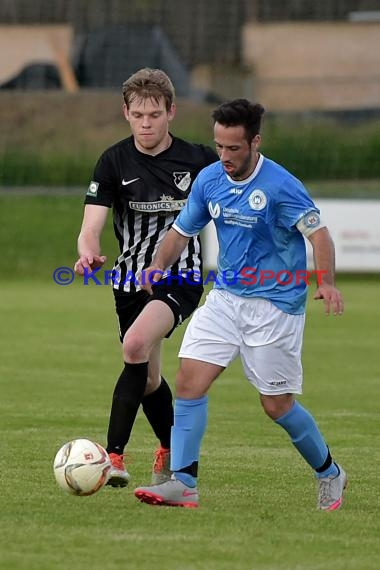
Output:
x,y
355,229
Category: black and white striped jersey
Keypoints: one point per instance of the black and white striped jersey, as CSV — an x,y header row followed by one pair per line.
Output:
x,y
146,194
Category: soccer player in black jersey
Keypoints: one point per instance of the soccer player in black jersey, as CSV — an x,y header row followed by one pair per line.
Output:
x,y
145,179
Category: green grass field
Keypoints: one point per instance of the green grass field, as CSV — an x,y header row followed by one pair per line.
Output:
x,y
60,358
59,362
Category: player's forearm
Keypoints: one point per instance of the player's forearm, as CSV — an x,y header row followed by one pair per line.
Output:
x,y
170,249
324,256
88,242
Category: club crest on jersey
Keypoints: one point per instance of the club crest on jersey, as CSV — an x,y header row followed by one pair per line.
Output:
x,y
93,189
182,180
257,200
214,210
312,220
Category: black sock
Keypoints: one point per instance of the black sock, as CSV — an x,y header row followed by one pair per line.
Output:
x,y
127,396
326,464
190,469
158,408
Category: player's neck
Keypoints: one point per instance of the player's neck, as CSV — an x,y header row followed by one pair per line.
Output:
x,y
164,144
251,168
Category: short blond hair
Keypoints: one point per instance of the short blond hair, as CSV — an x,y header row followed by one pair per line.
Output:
x,y
149,84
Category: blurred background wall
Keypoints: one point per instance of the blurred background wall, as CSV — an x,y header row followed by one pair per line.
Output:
x,y
315,66
296,54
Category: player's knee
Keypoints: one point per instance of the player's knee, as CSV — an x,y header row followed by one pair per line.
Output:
x,y
276,406
188,386
180,379
135,349
184,388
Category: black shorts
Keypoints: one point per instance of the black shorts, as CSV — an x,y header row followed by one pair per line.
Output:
x,y
182,298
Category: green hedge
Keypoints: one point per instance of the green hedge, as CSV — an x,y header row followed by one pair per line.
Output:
x,y
27,168
312,150
324,149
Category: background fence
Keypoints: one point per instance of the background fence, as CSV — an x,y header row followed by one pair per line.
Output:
x,y
201,31
314,65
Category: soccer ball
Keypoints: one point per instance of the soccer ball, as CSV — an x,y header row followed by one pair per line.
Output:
x,y
81,467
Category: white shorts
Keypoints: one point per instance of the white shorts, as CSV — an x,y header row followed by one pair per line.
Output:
x,y
268,340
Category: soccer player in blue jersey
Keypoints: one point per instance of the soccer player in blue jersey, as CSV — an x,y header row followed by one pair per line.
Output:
x,y
256,310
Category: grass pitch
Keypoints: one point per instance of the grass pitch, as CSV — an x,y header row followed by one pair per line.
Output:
x,y
60,359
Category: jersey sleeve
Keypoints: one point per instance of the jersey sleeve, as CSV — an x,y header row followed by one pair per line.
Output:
x,y
294,203
102,187
195,215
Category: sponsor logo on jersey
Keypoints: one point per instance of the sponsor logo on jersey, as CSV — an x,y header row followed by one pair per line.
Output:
x,y
93,189
312,220
234,217
257,200
166,204
182,180
214,210
126,182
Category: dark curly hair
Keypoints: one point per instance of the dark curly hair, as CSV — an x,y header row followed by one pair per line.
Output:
x,y
240,112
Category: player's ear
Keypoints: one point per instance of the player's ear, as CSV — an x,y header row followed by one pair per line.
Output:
x,y
256,141
125,111
172,112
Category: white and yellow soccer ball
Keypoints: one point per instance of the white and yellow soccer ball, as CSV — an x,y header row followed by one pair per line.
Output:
x,y
81,467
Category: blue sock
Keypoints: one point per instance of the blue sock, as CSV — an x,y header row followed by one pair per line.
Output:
x,y
190,421
307,439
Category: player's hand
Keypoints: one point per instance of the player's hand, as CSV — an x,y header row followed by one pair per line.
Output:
x,y
149,276
89,262
332,299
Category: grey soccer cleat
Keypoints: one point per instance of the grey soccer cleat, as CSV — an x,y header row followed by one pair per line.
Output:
x,y
118,475
330,492
173,493
161,467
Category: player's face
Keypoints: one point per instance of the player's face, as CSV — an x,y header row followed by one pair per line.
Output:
x,y
149,121
238,157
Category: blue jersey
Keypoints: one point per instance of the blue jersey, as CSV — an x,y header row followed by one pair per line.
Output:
x,y
261,251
